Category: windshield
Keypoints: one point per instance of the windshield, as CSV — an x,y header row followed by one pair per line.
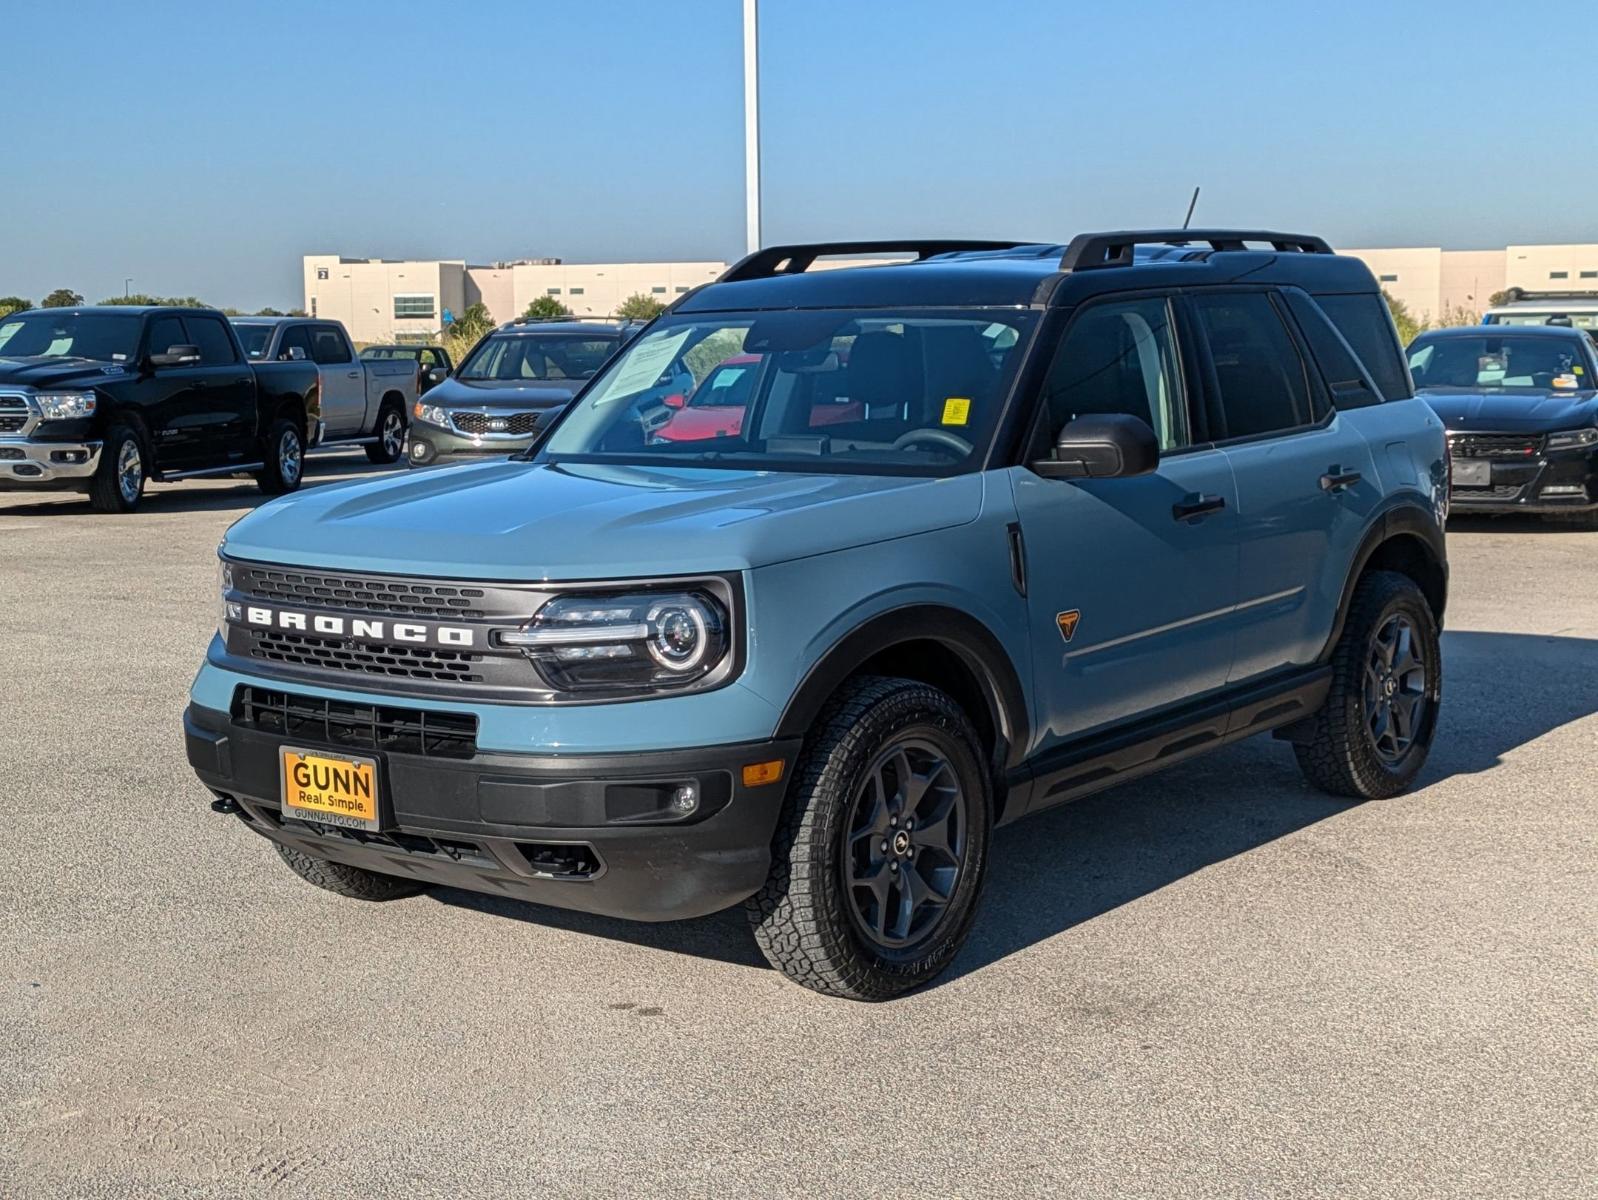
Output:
x,y
871,392
1494,363
528,358
256,338
1545,316
62,333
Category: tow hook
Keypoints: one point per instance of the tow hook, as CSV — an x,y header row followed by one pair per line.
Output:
x,y
224,804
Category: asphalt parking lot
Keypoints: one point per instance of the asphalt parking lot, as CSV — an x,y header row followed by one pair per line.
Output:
x,y
1212,983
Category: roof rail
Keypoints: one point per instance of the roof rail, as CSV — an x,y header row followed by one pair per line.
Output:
x,y
568,318
1090,250
795,259
1515,295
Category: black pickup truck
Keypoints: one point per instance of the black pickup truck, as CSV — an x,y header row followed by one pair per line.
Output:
x,y
101,399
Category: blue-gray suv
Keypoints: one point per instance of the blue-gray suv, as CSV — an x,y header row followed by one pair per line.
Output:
x,y
994,527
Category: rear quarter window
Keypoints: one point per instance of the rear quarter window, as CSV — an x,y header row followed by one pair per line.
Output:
x,y
1366,325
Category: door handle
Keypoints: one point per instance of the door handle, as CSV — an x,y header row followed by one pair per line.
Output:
x,y
354,375
1196,504
1336,479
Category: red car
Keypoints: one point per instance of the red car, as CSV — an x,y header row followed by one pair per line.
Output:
x,y
716,406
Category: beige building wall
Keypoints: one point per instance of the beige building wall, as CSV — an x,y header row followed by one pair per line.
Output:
x,y
1411,275
1568,268
495,288
379,300
1469,279
598,289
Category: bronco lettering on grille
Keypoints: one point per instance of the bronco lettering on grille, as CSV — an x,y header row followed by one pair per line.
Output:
x,y
355,627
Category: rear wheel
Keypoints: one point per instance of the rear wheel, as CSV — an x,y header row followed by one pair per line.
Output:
x,y
882,849
1372,735
390,442
285,458
354,882
118,482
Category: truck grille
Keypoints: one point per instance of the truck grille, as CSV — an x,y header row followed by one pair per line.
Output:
x,y
334,654
477,424
356,726
10,423
1494,445
405,597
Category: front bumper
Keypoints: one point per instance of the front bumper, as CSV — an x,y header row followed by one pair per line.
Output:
x,y
27,463
430,446
1551,482
554,829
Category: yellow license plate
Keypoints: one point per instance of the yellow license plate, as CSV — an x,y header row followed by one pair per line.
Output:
x,y
330,788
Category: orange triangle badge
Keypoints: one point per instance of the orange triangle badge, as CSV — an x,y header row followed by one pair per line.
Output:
x,y
1067,623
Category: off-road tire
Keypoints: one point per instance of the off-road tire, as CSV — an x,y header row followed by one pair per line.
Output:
x,y
799,916
345,880
1335,748
107,492
274,478
380,452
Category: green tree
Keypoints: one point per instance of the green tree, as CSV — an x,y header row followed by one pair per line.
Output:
x,y
295,312
11,304
141,298
1408,327
270,312
640,307
546,307
62,298
468,329
1498,299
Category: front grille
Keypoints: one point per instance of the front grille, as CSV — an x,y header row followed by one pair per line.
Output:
x,y
334,654
11,424
440,601
13,403
11,453
476,424
349,726
1498,491
1494,445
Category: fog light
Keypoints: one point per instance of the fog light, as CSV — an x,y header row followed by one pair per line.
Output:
x,y
685,799
418,450
756,774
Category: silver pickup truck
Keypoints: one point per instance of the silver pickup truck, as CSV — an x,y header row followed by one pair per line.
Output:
x,y
366,403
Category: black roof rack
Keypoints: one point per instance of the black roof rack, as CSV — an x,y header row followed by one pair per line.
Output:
x,y
796,259
1091,250
569,318
1516,294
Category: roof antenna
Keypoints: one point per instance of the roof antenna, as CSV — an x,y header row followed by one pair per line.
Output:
x,y
1192,204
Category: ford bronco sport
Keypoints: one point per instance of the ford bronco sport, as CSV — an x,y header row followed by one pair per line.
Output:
x,y
1095,509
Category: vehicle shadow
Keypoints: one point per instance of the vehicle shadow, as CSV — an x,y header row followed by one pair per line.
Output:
x,y
1510,523
199,495
1054,871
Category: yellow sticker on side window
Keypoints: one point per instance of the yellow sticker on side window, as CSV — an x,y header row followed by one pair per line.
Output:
x,y
956,410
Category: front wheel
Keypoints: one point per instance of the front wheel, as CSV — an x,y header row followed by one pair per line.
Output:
x,y
118,482
1372,735
344,880
285,458
390,442
882,848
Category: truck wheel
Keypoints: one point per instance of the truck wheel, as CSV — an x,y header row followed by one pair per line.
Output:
x,y
354,882
285,458
118,482
390,442
1370,738
882,847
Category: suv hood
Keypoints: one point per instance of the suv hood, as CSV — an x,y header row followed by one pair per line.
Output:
x,y
528,522
491,393
1504,412
43,373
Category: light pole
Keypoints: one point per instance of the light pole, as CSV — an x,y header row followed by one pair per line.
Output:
x,y
751,126
127,285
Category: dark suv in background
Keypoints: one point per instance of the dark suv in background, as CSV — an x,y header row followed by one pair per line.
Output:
x,y
511,386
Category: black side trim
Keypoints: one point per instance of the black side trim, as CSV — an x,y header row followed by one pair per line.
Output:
x,y
1098,761
968,638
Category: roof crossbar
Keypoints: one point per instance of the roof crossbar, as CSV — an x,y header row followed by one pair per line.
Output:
x,y
796,259
1091,250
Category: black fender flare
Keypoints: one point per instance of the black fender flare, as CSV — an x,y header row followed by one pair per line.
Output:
x,y
1406,517
967,638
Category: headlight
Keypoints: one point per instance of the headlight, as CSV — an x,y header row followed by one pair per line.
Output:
x,y
432,414
226,609
654,640
1573,439
65,406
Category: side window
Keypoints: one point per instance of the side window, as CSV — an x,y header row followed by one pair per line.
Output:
x,y
1367,326
1263,385
328,346
293,336
216,348
166,332
1120,357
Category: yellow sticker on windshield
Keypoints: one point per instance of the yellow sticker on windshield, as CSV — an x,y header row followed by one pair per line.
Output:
x,y
1579,370
956,410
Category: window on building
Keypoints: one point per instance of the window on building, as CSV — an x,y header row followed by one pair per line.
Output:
x,y
1388,278
659,291
1589,274
552,291
415,306
1558,274
321,272
575,292
1264,386
681,288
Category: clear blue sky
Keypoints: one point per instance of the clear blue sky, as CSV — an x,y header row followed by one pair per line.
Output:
x,y
203,147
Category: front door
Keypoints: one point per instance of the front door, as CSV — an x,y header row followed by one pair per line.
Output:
x,y
1130,582
343,381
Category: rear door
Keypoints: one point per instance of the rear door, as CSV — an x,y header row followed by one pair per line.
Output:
x,y
1307,486
343,381
1129,581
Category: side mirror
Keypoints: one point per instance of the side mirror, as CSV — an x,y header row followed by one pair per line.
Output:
x,y
294,354
436,376
1102,446
176,356
675,400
